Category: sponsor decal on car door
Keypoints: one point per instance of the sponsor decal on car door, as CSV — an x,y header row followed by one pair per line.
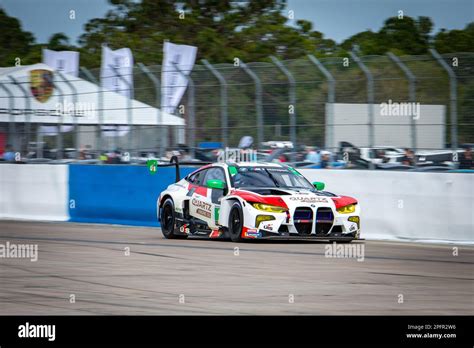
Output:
x,y
205,202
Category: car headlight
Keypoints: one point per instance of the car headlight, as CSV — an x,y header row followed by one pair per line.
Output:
x,y
269,208
355,219
347,209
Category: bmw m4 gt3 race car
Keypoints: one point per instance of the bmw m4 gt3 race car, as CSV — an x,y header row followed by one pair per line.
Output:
x,y
255,201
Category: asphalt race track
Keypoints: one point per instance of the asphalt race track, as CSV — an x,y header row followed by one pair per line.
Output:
x,y
198,276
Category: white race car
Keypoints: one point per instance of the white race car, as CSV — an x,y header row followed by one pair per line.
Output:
x,y
255,201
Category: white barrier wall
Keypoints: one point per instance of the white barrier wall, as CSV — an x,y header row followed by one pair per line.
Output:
x,y
437,207
34,192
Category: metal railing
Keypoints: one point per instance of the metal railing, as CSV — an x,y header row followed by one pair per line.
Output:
x,y
271,100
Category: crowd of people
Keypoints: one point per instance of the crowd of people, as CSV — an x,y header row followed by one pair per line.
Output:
x,y
310,154
314,155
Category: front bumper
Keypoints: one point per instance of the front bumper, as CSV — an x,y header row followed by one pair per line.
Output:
x,y
262,234
303,222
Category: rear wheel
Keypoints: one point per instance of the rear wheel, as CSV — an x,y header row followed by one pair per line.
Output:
x,y
168,219
236,222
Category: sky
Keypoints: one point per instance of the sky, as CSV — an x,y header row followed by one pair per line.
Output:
x,y
336,19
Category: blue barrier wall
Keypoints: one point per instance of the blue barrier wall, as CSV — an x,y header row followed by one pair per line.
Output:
x,y
117,194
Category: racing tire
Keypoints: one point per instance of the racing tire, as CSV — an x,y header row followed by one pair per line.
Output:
x,y
168,219
236,222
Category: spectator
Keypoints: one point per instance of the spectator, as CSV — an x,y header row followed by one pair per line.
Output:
x,y
381,155
82,153
103,158
88,152
409,158
466,162
325,161
114,157
312,155
9,155
185,156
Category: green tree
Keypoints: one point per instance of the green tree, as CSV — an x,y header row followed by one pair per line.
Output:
x,y
15,42
59,42
455,40
221,29
405,35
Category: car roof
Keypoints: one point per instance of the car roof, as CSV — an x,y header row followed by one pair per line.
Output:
x,y
250,164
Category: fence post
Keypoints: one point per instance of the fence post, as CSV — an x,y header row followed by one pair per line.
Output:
x,y
74,100
192,122
370,98
292,98
258,101
28,107
331,100
129,109
224,117
11,124
100,107
159,118
59,136
453,96
412,93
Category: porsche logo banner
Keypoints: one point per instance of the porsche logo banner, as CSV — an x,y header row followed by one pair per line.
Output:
x,y
41,84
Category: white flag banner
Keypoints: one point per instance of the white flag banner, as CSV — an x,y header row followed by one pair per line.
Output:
x,y
119,61
173,84
64,61
53,130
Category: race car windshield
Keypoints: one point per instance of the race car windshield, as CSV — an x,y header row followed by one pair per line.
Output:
x,y
269,177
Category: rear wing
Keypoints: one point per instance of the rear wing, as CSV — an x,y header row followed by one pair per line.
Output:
x,y
153,164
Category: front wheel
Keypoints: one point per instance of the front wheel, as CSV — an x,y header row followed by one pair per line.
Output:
x,y
236,222
168,219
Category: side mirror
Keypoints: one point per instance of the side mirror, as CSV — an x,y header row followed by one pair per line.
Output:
x,y
215,184
319,185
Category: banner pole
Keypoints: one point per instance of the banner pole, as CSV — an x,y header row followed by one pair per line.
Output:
x,y
224,105
27,115
292,99
99,109
191,125
74,116
129,108
159,117
258,102
11,125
